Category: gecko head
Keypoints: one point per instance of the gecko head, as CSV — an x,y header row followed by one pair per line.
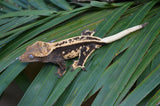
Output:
x,y
35,52
29,55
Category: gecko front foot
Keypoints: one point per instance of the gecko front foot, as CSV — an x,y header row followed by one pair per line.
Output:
x,y
60,73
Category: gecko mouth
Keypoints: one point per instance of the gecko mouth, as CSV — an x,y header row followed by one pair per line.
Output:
x,y
21,59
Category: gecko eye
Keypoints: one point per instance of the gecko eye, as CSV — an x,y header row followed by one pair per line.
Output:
x,y
31,56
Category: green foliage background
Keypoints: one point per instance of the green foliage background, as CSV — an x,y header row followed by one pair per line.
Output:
x,y
132,62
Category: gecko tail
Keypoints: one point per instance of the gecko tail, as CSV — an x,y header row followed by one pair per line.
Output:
x,y
123,33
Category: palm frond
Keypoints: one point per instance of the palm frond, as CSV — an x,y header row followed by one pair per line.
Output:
x,y
125,72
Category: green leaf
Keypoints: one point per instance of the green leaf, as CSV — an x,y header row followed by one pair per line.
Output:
x,y
28,13
61,100
111,70
98,4
154,100
6,20
61,86
22,29
101,4
41,87
128,61
108,77
22,81
143,89
20,3
39,4
15,23
137,55
110,20
9,5
8,39
155,61
62,4
149,56
10,74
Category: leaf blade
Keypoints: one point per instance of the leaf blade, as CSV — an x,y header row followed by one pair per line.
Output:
x,y
10,74
111,96
28,13
149,56
62,4
144,88
41,87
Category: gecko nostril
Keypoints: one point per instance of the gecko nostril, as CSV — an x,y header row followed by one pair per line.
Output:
x,y
20,58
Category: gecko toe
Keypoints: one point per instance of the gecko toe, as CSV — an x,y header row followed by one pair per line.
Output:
x,y
70,66
59,76
84,69
56,73
72,70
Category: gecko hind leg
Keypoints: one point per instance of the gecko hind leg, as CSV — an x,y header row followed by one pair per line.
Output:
x,y
85,52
